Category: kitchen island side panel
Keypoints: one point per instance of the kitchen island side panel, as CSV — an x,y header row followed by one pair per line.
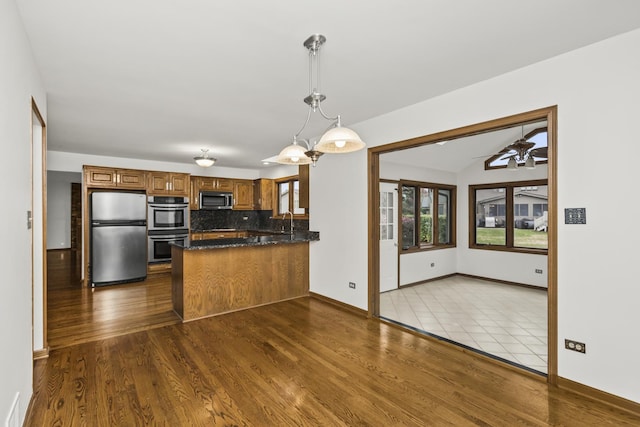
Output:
x,y
219,280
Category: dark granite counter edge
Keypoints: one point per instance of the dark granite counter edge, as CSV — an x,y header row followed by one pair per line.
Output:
x,y
235,242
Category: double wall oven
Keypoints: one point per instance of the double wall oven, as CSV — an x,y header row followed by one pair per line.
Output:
x,y
167,221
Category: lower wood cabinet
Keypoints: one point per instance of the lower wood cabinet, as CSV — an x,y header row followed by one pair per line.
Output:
x,y
206,235
207,282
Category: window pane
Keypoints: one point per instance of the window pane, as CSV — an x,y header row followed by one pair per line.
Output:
x,y
296,199
490,219
408,217
283,199
444,224
531,231
426,218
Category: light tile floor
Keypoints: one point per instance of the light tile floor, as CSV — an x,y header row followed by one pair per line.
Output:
x,y
509,322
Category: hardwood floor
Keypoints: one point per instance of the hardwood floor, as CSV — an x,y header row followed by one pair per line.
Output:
x,y
298,362
77,314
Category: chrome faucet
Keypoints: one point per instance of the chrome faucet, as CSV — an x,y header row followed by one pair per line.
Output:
x,y
291,222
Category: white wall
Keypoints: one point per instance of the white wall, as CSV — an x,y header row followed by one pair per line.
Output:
x,y
59,208
19,81
597,90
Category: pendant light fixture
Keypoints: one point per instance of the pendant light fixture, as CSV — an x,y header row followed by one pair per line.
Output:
x,y
204,160
336,139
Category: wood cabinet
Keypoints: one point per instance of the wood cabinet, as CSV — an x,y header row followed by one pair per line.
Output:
x,y
220,234
104,177
263,194
206,282
207,183
243,194
303,195
168,183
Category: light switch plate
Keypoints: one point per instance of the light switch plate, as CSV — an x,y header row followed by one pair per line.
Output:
x,y
575,216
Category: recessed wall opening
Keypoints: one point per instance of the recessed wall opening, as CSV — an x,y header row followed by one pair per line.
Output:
x,y
454,224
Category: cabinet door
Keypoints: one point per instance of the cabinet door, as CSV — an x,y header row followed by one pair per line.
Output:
x,y
219,235
303,195
157,183
205,184
194,203
263,194
131,178
179,184
224,184
95,176
243,194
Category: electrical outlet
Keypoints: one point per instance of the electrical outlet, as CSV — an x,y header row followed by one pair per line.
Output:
x,y
539,270
352,285
580,347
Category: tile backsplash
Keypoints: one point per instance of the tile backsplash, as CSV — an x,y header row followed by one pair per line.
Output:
x,y
241,220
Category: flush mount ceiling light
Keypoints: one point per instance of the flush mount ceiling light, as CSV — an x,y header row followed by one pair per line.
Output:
x,y
204,160
336,139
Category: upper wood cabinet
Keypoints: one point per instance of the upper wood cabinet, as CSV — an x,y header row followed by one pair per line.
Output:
x,y
98,176
303,195
207,183
242,194
168,183
210,183
263,190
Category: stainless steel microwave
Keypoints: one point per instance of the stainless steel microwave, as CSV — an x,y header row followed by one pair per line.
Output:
x,y
211,200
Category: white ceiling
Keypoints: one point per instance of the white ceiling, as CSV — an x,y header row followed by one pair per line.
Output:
x,y
161,79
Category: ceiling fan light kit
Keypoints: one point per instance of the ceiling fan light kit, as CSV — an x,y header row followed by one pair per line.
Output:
x,y
337,139
204,160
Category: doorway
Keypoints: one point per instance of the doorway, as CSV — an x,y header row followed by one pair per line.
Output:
x,y
76,218
37,224
441,139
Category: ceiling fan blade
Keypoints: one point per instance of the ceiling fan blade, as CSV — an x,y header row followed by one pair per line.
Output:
x,y
519,145
541,152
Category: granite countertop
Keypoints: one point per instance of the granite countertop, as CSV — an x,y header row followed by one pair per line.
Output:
x,y
273,238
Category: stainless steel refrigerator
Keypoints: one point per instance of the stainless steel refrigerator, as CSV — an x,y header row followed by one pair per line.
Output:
x,y
118,237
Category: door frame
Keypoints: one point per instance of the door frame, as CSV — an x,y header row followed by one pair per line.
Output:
x,y
38,121
373,166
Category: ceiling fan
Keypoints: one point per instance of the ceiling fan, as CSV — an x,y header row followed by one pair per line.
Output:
x,y
520,151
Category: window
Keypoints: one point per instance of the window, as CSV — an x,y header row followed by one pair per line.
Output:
x,y
428,215
289,196
509,216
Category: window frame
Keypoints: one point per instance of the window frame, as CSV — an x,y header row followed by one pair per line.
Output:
x,y
509,216
435,244
276,208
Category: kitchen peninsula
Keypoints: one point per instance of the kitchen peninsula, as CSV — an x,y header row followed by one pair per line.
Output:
x,y
216,276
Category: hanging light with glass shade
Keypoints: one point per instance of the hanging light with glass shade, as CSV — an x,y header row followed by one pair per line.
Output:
x,y
204,160
336,139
